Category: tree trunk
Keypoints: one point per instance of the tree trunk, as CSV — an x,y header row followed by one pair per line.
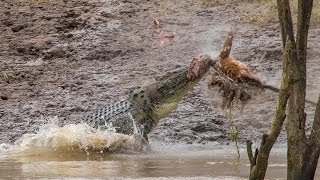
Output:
x,y
299,152
303,152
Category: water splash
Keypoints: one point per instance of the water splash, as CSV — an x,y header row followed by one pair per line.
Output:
x,y
74,138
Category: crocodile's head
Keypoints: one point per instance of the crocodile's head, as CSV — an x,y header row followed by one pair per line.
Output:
x,y
160,98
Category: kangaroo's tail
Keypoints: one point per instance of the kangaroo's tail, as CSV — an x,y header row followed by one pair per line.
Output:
x,y
277,90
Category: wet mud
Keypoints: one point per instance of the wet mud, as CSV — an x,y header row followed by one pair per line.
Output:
x,y
66,58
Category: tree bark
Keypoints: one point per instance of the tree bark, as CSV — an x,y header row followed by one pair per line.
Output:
x,y
313,146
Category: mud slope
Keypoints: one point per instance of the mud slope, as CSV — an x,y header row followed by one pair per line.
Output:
x,y
65,58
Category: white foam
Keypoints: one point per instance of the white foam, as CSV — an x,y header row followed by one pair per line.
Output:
x,y
74,138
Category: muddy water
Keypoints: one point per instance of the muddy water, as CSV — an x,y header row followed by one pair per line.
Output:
x,y
79,151
180,162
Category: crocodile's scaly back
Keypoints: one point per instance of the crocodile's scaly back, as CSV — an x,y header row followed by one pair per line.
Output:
x,y
114,115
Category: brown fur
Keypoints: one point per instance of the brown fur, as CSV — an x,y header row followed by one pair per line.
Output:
x,y
229,91
233,68
238,71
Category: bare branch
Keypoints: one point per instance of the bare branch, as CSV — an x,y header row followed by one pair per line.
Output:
x,y
256,153
249,151
304,16
288,25
280,14
264,139
315,134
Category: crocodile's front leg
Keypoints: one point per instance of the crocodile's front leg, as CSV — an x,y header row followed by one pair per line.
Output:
x,y
141,111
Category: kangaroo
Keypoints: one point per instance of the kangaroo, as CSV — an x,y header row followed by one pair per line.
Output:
x,y
238,71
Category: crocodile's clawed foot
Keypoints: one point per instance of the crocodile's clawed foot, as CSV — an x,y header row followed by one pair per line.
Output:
x,y
198,67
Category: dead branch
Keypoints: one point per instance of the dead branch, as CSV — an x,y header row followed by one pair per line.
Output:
x,y
249,151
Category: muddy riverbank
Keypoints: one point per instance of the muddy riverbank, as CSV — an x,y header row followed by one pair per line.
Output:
x,y
66,58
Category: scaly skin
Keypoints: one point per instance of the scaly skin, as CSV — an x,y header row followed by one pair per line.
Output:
x,y
147,105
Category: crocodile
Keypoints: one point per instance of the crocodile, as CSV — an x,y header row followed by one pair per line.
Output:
x,y
144,107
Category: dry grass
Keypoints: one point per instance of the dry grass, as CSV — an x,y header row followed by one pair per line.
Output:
x,y
265,11
7,76
272,5
223,2
262,12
